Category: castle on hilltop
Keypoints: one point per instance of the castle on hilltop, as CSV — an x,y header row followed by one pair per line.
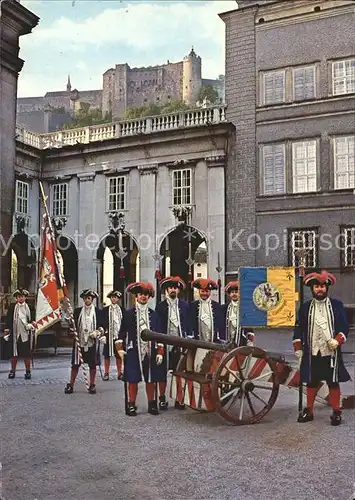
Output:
x,y
123,88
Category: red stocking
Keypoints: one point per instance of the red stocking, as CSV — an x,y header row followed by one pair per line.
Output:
x,y
311,396
149,387
334,398
132,392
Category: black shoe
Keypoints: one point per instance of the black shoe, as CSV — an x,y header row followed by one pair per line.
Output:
x,y
131,410
179,406
69,389
28,374
305,416
163,404
11,374
335,419
120,376
152,408
106,377
92,389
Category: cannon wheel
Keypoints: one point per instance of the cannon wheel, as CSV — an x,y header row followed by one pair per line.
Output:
x,y
245,385
181,367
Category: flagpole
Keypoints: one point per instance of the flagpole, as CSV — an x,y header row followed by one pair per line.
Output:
x,y
69,308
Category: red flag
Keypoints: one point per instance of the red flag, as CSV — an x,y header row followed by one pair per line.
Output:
x,y
51,287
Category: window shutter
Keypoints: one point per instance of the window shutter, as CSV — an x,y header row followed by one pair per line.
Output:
x,y
304,83
274,169
274,87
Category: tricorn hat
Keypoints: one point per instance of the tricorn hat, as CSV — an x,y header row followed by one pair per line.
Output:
x,y
232,286
114,293
141,287
88,293
21,292
204,284
322,278
173,281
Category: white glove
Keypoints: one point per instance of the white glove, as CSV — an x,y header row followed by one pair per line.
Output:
x,y
101,330
6,337
29,327
250,343
333,344
299,355
120,351
159,359
103,340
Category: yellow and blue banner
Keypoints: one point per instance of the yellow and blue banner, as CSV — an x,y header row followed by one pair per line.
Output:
x,y
267,296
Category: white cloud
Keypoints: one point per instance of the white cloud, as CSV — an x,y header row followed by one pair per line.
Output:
x,y
139,25
138,30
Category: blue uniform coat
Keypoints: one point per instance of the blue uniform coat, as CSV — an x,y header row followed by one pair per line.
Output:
x,y
217,314
302,333
162,309
132,367
243,332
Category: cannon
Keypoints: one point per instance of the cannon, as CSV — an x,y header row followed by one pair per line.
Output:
x,y
241,384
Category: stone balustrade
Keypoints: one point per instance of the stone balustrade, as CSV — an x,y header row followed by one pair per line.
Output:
x,y
146,125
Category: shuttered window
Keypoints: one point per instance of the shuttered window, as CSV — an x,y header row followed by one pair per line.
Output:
x,y
343,73
344,169
274,87
304,83
273,167
304,166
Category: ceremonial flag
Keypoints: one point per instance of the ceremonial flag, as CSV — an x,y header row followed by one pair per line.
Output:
x,y
267,296
51,287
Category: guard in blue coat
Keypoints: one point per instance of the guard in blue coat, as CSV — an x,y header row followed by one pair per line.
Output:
x,y
205,314
232,332
320,330
173,315
143,360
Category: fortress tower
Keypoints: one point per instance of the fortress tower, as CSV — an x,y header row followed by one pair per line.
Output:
x,y
191,78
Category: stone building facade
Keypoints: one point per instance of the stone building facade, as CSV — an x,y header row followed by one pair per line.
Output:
x,y
15,21
290,88
144,197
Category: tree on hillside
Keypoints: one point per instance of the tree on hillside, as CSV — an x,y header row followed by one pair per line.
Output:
x,y
209,93
154,110
85,117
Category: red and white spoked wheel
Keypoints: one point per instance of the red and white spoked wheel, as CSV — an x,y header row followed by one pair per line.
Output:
x,y
245,385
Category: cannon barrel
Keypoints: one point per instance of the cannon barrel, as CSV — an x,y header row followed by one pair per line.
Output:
x,y
183,342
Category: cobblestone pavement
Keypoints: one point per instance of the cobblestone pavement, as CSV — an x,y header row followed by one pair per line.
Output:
x,y
63,447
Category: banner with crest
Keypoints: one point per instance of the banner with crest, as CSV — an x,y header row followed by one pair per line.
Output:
x,y
51,287
267,296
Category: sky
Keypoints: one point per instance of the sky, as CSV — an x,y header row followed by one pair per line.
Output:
x,y
84,38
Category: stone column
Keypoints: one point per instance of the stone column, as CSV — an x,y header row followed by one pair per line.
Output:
x,y
147,236
216,218
15,20
86,243
98,275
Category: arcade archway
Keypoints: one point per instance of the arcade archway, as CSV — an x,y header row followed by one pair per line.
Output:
x,y
117,268
69,262
24,263
181,250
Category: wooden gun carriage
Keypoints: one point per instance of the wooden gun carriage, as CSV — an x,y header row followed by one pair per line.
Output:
x,y
241,384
